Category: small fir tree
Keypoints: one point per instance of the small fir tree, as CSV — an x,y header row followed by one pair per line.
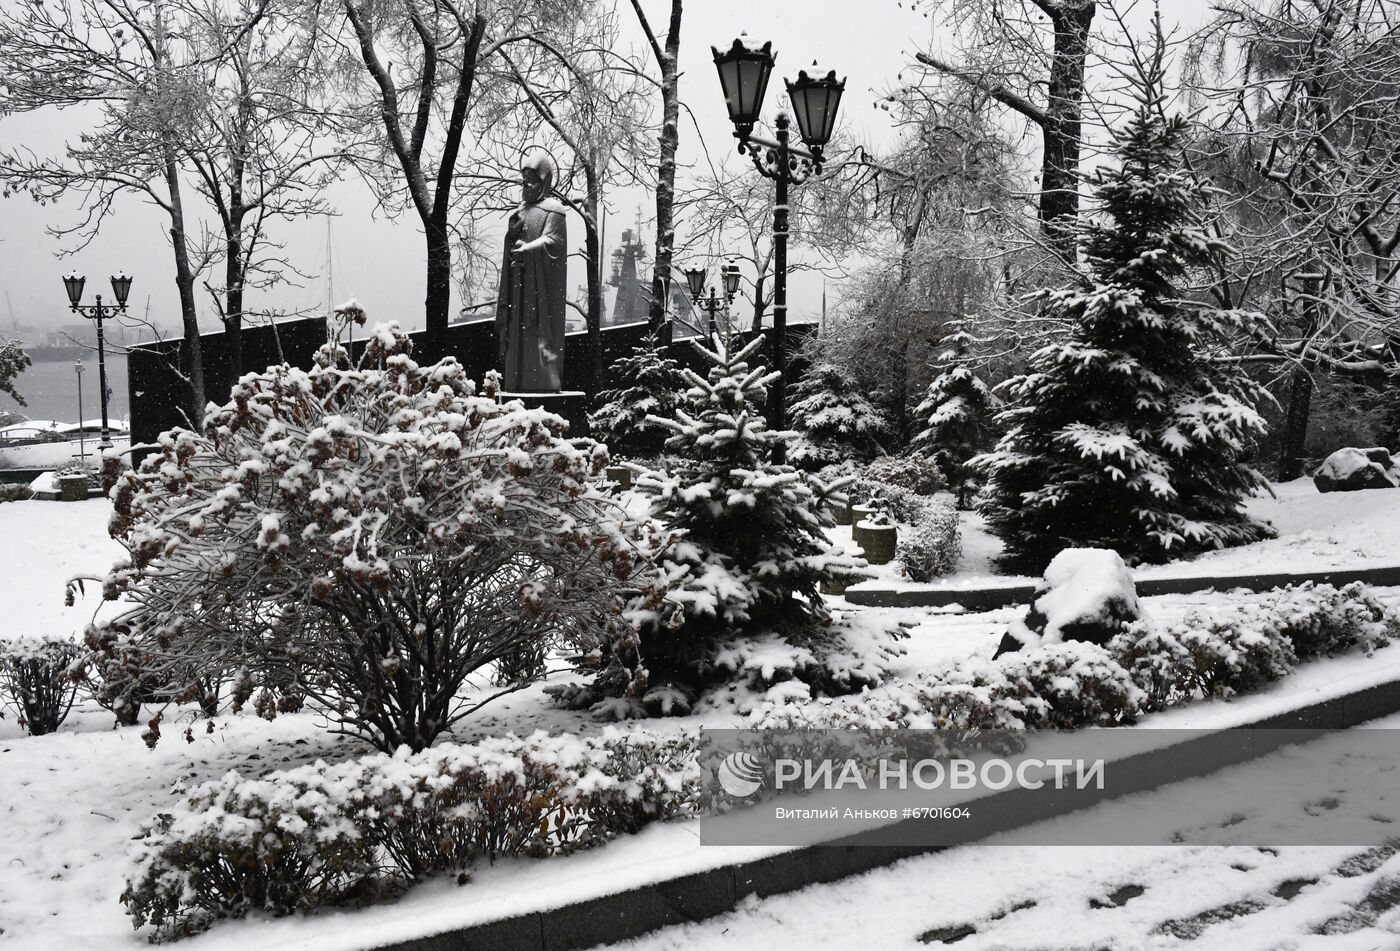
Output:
x,y
1126,435
835,420
745,577
651,386
957,414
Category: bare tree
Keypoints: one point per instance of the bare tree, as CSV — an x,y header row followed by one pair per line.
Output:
x,y
258,148
1302,100
133,65
1030,56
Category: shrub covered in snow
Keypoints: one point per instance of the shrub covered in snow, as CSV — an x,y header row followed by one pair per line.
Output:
x,y
15,492
932,545
1078,684
322,835
368,537
36,683
915,472
1249,645
835,420
1148,667
1322,619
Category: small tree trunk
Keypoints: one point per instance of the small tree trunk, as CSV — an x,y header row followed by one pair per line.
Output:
x,y
439,294
233,303
1295,425
192,363
759,304
593,254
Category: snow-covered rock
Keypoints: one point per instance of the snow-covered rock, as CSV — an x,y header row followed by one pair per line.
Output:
x,y
1350,469
1087,594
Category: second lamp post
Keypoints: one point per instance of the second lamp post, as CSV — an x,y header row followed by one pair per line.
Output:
x,y
121,287
743,75
695,282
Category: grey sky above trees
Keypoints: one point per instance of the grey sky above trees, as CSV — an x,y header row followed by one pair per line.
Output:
x,y
379,261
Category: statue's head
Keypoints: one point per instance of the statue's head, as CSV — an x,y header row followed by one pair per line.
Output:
x,y
536,176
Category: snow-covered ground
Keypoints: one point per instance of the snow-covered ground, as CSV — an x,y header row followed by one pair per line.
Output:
x,y
1316,531
1005,894
70,803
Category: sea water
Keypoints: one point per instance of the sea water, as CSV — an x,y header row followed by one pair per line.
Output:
x,y
51,390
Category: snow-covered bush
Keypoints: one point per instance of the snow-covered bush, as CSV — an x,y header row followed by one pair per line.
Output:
x,y
360,830
932,546
122,671
1126,433
915,472
1236,654
1158,663
35,681
1322,619
369,537
1078,684
1058,686
1246,646
835,420
896,501
15,492
649,385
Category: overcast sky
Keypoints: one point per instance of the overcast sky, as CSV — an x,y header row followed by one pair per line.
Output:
x,y
381,262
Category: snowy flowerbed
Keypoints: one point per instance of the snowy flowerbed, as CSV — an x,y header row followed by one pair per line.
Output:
x,y
330,835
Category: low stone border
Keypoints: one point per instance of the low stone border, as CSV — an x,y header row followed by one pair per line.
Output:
x,y
1000,596
701,895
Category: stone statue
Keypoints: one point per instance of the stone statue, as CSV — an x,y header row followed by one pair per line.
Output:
x,y
530,307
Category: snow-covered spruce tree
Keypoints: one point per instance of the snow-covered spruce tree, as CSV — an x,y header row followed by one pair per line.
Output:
x,y
1127,435
376,533
743,583
957,416
650,386
835,420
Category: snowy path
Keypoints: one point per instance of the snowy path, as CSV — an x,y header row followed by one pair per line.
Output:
x,y
1058,898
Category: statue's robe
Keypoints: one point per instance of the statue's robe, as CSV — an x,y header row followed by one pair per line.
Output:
x,y
530,307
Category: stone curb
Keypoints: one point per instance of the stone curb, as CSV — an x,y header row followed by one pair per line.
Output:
x,y
700,895
988,599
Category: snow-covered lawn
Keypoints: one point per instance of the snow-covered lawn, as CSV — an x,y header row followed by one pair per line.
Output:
x,y
1316,531
70,803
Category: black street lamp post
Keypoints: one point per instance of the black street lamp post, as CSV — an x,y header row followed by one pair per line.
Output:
x,y
695,281
743,75
121,287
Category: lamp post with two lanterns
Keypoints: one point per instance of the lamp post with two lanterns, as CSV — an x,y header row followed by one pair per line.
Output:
x,y
743,75
695,281
121,287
